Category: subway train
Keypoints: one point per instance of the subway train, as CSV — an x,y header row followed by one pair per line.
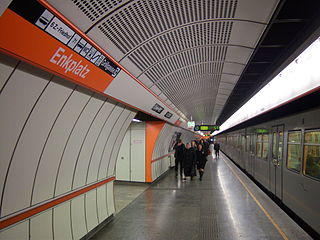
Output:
x,y
283,158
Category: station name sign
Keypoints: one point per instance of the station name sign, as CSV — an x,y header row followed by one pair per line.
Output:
x,y
206,128
59,30
41,38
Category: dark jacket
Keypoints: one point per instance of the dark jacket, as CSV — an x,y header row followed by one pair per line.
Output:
x,y
201,159
179,153
189,161
216,146
205,148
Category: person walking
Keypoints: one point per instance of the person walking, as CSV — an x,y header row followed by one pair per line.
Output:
x,y
194,145
201,160
189,161
216,148
205,147
179,154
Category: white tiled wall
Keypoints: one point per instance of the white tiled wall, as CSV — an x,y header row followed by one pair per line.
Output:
x,y
56,137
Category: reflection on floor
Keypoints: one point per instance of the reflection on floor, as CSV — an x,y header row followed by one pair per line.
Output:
x,y
126,192
217,208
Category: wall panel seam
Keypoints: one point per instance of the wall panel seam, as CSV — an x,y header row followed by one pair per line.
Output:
x,y
85,210
65,147
46,141
71,222
106,145
131,115
90,160
106,142
116,142
18,139
14,69
84,139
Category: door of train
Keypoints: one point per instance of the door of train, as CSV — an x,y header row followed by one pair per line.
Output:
x,y
251,156
276,163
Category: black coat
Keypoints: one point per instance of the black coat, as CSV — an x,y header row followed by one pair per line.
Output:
x,y
201,159
216,146
205,148
179,153
189,162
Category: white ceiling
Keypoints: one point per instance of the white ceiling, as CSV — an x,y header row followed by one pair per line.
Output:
x,y
189,52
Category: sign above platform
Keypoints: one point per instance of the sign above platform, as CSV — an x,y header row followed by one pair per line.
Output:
x,y
210,128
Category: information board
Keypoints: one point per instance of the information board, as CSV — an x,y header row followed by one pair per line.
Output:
x,y
206,128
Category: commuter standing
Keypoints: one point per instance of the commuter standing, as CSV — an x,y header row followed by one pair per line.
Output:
x,y
201,160
189,161
216,148
179,154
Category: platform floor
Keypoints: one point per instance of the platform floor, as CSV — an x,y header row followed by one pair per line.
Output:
x,y
126,192
225,205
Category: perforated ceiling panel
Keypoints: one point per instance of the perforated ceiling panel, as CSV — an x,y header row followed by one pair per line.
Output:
x,y
191,53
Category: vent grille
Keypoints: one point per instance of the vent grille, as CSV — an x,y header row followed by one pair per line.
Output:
x,y
94,9
194,36
143,20
207,75
215,55
180,46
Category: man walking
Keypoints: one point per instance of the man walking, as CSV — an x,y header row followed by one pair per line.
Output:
x,y
179,153
216,148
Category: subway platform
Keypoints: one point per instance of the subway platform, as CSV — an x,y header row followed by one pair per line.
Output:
x,y
226,204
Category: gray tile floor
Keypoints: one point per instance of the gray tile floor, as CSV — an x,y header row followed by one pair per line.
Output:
x,y
219,207
126,192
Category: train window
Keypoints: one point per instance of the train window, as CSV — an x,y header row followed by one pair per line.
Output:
x,y
237,141
265,146
312,154
247,143
262,146
259,146
243,143
294,151
280,147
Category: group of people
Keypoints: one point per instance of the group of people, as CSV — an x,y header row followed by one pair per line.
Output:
x,y
192,156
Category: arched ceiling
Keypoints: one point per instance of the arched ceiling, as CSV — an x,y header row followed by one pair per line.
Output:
x,y
191,53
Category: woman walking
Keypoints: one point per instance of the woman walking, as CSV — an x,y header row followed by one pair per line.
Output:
x,y
201,160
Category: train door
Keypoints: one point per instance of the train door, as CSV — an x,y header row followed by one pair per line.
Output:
x,y
251,154
276,163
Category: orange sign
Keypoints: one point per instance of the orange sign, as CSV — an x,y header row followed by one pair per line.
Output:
x,y
29,43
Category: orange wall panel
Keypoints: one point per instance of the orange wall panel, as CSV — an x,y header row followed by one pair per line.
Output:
x,y
152,131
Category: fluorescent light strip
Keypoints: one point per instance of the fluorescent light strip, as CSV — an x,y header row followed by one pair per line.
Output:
x,y
300,76
136,120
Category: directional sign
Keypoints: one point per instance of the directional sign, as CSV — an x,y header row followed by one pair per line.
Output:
x,y
206,128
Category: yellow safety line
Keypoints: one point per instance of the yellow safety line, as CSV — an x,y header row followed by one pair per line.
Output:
x,y
259,204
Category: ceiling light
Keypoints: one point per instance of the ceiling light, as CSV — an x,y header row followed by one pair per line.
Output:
x,y
136,120
299,77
